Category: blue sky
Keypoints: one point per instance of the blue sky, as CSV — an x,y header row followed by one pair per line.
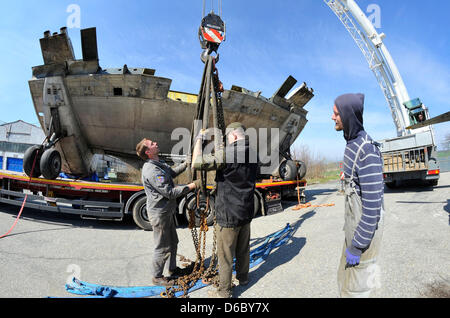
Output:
x,y
266,42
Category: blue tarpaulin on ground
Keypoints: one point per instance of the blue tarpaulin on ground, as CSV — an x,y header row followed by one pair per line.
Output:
x,y
257,256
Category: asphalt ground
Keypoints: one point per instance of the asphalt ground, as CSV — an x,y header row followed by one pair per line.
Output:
x,y
45,250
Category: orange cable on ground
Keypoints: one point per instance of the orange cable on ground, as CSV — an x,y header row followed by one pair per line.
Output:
x,y
17,218
309,205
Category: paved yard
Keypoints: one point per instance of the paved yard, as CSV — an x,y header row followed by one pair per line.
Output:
x,y
45,250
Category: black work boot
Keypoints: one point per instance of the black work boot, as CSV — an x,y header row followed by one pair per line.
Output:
x,y
177,272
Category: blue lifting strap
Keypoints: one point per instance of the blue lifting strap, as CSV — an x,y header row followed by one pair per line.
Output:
x,y
257,256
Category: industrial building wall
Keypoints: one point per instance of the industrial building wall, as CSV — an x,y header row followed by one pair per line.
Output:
x,y
15,139
21,132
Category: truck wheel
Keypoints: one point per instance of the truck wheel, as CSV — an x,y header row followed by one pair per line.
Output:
x,y
191,203
51,164
391,185
182,204
140,216
257,206
302,169
288,170
28,160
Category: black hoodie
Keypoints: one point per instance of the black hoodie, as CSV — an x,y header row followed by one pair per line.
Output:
x,y
368,169
351,109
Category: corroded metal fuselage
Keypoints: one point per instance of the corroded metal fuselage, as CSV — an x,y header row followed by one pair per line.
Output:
x,y
109,111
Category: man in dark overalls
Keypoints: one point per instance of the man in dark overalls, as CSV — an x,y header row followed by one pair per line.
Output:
x,y
236,171
161,192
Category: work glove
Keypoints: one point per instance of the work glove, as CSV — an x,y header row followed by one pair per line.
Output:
x,y
352,260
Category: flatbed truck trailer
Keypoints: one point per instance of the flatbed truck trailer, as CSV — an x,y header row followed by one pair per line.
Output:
x,y
410,158
115,201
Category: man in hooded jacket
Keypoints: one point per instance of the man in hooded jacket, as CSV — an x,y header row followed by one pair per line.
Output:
x,y
358,273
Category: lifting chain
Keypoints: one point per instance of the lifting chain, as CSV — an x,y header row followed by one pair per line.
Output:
x,y
213,88
207,276
211,34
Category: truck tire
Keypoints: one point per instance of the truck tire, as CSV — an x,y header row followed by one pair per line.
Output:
x,y
140,215
191,203
257,206
288,170
51,164
182,204
302,169
28,160
392,184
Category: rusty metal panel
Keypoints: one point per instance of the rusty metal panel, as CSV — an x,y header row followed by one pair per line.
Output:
x,y
89,44
56,48
110,111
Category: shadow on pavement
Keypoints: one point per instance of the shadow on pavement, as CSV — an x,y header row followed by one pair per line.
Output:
x,y
281,256
407,187
314,193
66,221
447,209
419,202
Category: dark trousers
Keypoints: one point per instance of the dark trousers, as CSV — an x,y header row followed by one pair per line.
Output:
x,y
165,241
232,242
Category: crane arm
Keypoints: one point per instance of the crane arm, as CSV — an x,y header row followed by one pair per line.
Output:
x,y
379,59
436,120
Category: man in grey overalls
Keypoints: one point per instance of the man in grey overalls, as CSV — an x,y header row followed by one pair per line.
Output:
x,y
358,273
161,192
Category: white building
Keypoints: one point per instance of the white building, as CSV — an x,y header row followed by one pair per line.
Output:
x,y
15,139
18,136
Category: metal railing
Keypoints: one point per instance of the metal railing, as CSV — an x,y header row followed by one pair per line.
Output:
x,y
408,160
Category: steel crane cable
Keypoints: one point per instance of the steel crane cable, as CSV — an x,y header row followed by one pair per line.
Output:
x,y
212,7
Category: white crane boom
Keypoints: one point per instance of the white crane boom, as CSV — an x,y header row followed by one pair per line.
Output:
x,y
412,155
379,59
